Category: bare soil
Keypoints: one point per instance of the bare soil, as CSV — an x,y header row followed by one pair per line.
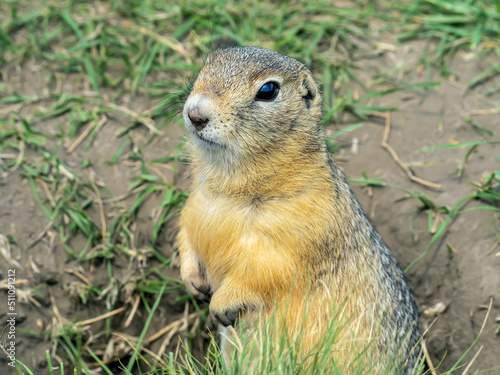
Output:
x,y
466,280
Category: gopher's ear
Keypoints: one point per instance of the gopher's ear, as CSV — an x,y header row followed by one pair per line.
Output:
x,y
309,89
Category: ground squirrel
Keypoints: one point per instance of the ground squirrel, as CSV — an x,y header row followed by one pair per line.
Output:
x,y
272,218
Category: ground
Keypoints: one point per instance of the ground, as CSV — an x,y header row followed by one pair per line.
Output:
x,y
92,178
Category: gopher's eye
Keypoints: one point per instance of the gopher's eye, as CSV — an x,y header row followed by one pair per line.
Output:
x,y
268,92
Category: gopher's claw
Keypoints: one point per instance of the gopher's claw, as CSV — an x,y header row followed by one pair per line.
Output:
x,y
205,292
228,317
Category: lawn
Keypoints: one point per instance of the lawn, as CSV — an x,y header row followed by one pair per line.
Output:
x,y
93,171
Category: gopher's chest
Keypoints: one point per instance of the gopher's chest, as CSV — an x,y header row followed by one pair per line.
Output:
x,y
228,231
218,227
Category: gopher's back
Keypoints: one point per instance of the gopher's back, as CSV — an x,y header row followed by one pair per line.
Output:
x,y
271,220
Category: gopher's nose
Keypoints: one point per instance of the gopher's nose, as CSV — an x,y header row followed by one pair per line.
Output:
x,y
199,121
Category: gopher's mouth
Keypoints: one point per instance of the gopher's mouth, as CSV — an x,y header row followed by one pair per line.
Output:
x,y
208,142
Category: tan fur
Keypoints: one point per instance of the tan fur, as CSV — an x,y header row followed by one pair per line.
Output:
x,y
271,218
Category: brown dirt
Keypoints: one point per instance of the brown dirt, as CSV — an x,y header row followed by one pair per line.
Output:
x,y
465,280
22,219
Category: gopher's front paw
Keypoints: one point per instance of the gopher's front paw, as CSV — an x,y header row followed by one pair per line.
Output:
x,y
201,290
227,306
196,283
229,316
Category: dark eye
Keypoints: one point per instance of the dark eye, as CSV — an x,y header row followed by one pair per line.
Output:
x,y
269,91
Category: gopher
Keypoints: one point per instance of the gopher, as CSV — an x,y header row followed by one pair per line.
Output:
x,y
271,224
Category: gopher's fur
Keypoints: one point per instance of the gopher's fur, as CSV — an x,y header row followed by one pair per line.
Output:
x,y
271,217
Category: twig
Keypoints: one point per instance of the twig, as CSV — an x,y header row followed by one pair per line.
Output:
x,y
6,253
101,207
42,234
164,330
134,309
5,285
132,342
16,107
495,244
100,317
19,157
79,275
489,111
49,195
425,351
169,42
143,120
86,132
165,342
55,310
428,359
480,332
398,161
472,361
125,196
7,156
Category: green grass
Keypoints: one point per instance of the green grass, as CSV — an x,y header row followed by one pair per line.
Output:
x,y
255,348
99,59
